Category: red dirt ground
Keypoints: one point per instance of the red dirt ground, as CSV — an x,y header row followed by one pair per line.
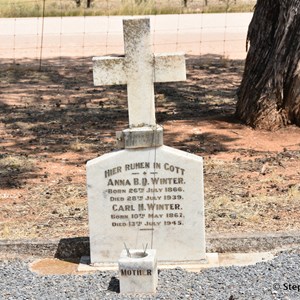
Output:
x,y
53,121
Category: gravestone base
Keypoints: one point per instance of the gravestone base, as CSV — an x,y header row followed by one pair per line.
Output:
x,y
140,137
211,261
138,273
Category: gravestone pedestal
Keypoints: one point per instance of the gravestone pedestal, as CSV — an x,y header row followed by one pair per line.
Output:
x,y
138,273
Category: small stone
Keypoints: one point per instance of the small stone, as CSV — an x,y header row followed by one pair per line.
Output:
x,y
233,216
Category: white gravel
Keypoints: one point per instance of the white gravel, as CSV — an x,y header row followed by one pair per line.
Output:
x,y
276,279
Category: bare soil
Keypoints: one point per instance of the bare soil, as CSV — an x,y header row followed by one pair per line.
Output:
x,y
54,120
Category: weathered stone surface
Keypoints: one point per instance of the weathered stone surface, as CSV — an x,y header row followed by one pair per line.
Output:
x,y
141,195
138,273
109,71
139,69
141,137
148,193
169,67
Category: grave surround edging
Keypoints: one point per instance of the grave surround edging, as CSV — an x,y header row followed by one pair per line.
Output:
x,y
77,247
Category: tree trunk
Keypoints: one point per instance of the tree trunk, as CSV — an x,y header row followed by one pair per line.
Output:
x,y
269,95
88,3
78,2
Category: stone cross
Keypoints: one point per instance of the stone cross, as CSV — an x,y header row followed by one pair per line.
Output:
x,y
139,69
147,192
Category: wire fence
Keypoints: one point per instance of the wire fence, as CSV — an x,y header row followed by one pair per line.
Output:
x,y
39,39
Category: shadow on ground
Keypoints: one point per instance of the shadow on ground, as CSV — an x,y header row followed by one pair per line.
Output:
x,y
57,109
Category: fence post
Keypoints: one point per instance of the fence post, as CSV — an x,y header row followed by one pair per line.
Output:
x,y
42,35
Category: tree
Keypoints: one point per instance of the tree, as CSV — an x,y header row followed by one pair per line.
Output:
x,y
138,2
88,3
269,94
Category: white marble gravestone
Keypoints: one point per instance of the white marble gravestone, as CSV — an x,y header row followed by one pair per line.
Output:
x,y
147,193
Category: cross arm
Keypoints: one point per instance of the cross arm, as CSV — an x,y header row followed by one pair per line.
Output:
x,y
109,70
169,67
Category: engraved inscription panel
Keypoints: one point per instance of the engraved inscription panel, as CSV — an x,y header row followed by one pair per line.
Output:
x,y
148,196
142,196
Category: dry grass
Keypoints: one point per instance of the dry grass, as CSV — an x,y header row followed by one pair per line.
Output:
x,y
15,163
23,8
79,146
258,202
51,212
